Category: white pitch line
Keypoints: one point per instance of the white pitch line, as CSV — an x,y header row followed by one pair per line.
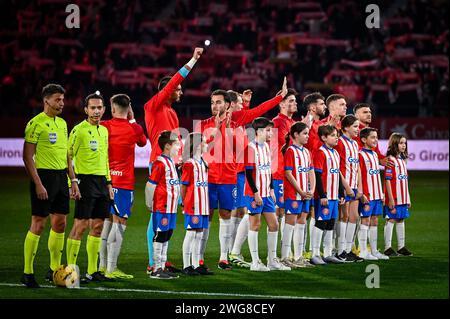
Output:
x,y
169,292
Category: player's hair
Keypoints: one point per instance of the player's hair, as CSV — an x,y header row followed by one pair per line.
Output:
x,y
360,106
51,89
224,93
290,91
365,132
334,97
311,99
297,127
234,96
93,96
166,137
325,130
163,82
393,142
261,122
121,100
193,140
347,121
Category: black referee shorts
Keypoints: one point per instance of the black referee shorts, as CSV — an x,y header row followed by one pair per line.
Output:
x,y
56,184
95,202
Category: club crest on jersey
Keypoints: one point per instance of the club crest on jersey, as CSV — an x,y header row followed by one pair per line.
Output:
x,y
195,220
52,137
164,221
93,144
294,204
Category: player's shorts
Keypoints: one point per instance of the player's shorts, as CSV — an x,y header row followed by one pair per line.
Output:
x,y
240,188
373,208
351,198
163,222
268,205
95,202
326,212
196,221
296,207
56,184
222,196
401,212
279,193
123,201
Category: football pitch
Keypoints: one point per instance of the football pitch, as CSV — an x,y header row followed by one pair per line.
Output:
x,y
424,275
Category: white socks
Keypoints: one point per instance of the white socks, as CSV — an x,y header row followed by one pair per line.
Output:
x,y
196,249
299,240
164,254
342,227
224,237
103,248
272,238
286,240
373,238
327,243
235,221
253,245
316,238
203,242
157,254
349,235
115,240
362,238
388,230
281,222
187,247
400,230
241,235
312,222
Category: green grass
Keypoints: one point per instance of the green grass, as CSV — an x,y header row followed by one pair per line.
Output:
x,y
425,275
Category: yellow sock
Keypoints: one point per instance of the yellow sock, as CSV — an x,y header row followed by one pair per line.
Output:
x,y
29,249
72,249
93,248
55,247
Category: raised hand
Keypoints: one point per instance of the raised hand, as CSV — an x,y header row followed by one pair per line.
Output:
x,y
197,53
284,88
247,95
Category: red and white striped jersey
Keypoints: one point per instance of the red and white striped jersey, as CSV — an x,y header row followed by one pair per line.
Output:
x,y
326,161
398,175
195,177
164,175
258,159
348,151
370,173
298,160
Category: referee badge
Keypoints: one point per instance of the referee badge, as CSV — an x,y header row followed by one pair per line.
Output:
x,y
195,220
52,137
93,145
164,221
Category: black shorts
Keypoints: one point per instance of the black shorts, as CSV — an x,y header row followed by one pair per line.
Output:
x,y
95,202
56,184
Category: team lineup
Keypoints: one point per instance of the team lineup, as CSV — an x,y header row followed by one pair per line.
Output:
x,y
322,169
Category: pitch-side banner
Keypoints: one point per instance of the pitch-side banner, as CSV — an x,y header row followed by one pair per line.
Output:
x,y
425,155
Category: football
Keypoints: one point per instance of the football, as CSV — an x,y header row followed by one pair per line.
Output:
x,y
65,276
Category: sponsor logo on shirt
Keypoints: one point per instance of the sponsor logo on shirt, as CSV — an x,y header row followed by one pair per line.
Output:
x,y
263,167
174,182
374,171
201,184
301,169
52,137
334,171
401,176
353,160
116,173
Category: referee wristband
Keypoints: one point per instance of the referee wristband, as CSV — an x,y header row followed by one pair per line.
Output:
x,y
75,180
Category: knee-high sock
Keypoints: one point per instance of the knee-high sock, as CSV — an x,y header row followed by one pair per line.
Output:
x,y
203,242
316,238
115,246
373,237
272,238
224,237
299,240
287,240
328,243
196,249
312,222
241,235
400,230
335,234
362,238
187,247
150,235
342,226
235,221
55,247
110,242
349,235
253,245
388,230
157,251
281,222
29,251
72,250
103,248
92,248
165,248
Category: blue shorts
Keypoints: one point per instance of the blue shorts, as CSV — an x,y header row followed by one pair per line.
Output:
x,y
268,206
279,193
163,222
222,195
123,201
374,208
297,207
196,221
240,187
351,198
401,212
332,208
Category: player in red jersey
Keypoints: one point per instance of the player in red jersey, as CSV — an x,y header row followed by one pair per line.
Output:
x,y
397,194
124,135
337,108
160,116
